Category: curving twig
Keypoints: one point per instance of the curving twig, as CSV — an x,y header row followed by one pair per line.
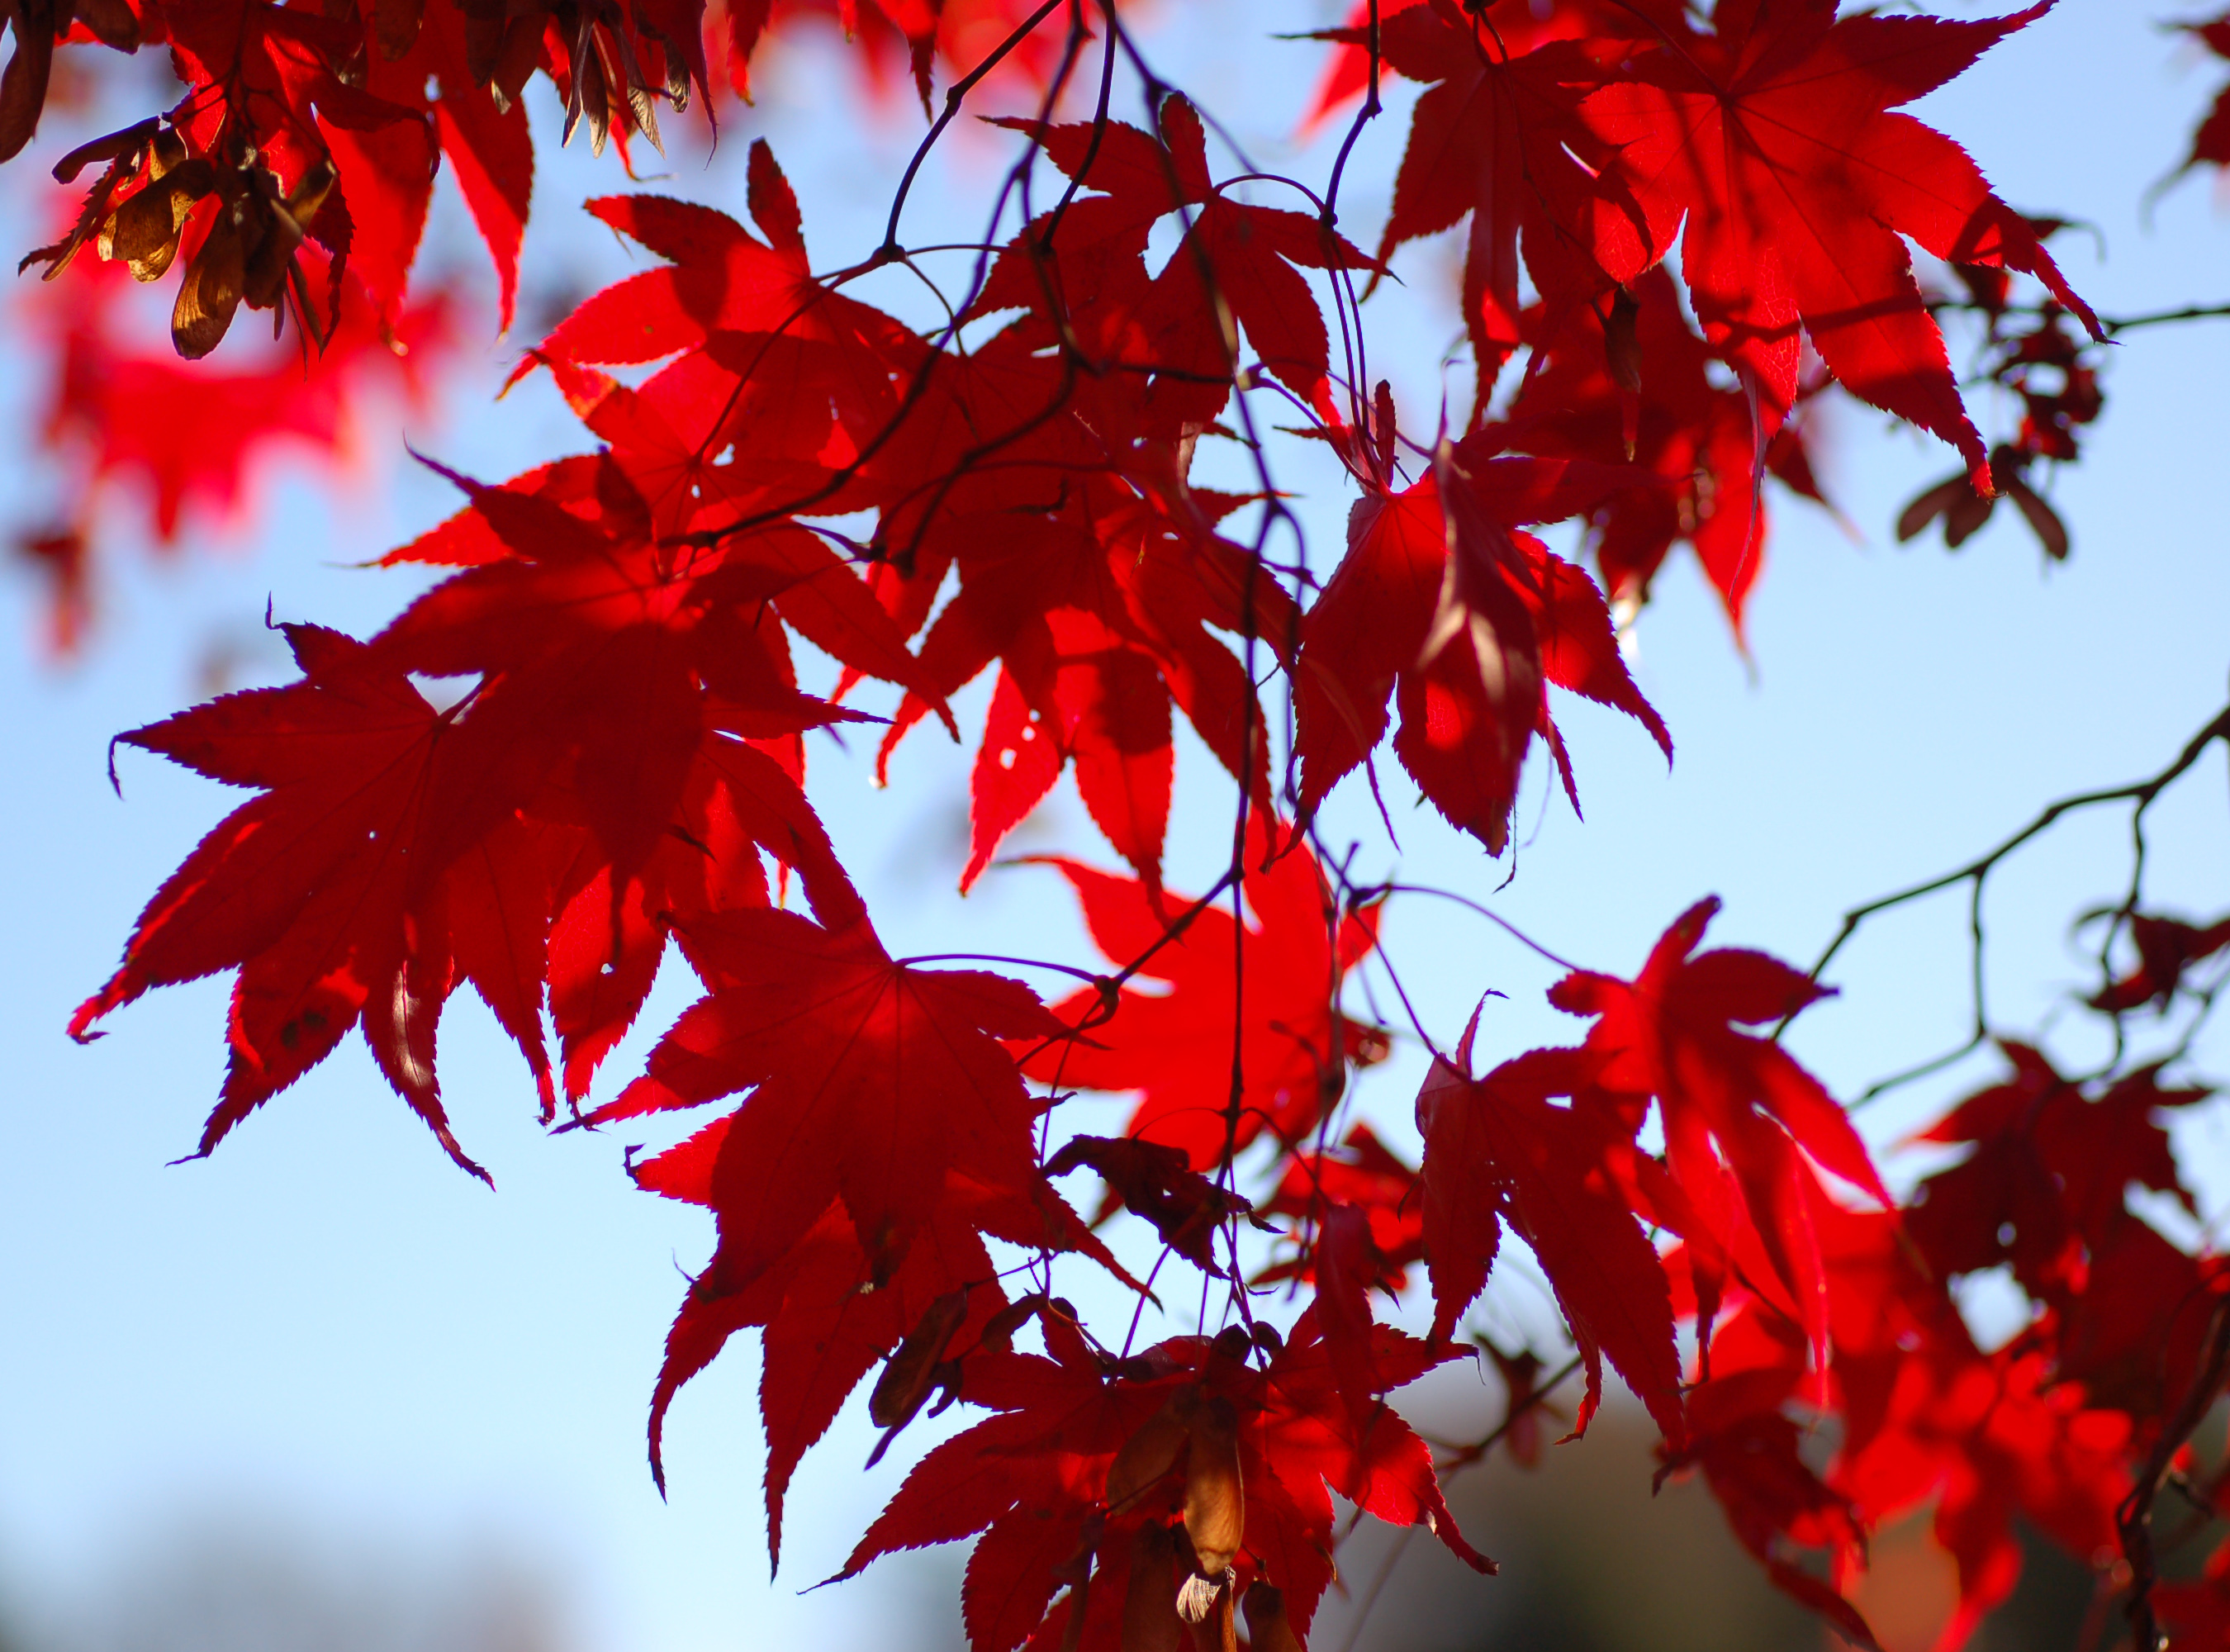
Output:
x,y
1976,875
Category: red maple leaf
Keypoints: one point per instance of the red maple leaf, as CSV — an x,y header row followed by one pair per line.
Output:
x,y
1099,615
870,1080
1174,1046
194,441
1697,437
1496,1151
330,893
827,1315
1773,138
1496,138
1740,1116
1362,1174
2210,144
1442,607
391,859
389,174
2051,1165
723,279
1236,263
2165,947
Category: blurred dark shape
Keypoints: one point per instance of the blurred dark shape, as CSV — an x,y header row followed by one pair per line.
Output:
x,y
1964,512
1592,1562
225,1583
59,556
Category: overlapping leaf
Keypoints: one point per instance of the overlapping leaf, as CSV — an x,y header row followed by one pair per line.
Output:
x,y
1441,606
1085,1454
1278,1001
1774,139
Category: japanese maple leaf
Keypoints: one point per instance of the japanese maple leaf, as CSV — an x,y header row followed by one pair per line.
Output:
x,y
1099,615
609,928
398,852
1156,1181
2165,947
2135,1337
703,444
2210,144
2045,1185
1774,139
1929,1423
192,440
1496,138
1174,1045
1028,1477
1497,1152
895,39
1073,1440
720,278
1737,1109
1989,1440
826,1319
2197,1612
1776,1503
328,894
1441,606
1364,1174
1698,437
1237,262
1246,256
602,646
389,174
869,1081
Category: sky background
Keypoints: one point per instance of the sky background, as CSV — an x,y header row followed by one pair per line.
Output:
x,y
326,1342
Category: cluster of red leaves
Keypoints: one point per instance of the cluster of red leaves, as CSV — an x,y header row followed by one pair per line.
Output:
x,y
624,768
297,170
1581,138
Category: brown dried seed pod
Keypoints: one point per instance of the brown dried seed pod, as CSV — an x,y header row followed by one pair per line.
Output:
x,y
395,24
109,145
307,196
1150,1453
265,275
165,153
899,1390
1196,1599
2043,520
210,293
112,23
1215,1500
644,107
143,231
1622,342
1965,519
1150,1622
484,37
1268,1628
1913,520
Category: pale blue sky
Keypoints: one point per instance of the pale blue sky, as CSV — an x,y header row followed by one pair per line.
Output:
x,y
328,1324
